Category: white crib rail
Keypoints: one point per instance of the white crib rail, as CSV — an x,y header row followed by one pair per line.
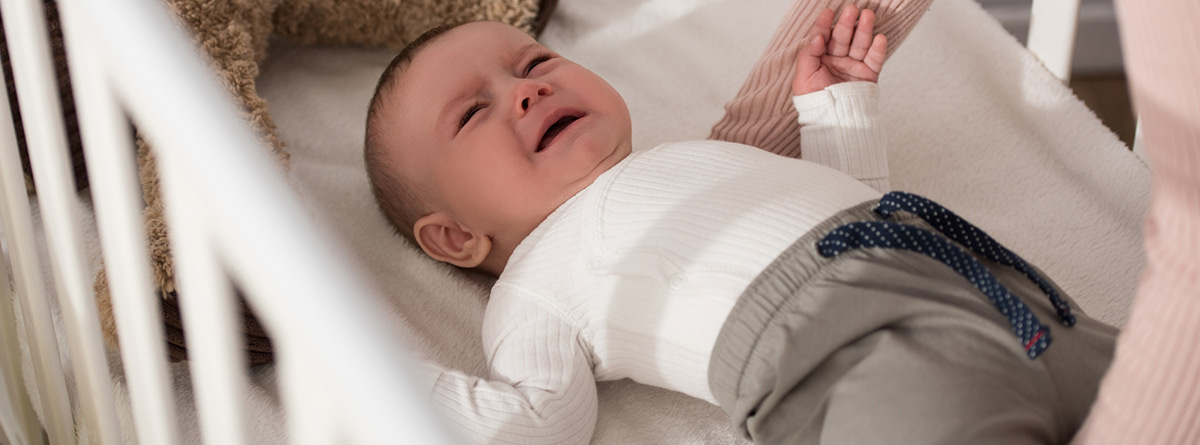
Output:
x,y
229,206
20,423
23,23
1052,28
114,187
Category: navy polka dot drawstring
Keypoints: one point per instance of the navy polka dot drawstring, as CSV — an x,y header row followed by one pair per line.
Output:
x,y
1034,336
965,233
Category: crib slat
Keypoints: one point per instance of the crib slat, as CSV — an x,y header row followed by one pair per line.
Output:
x,y
39,329
40,109
310,419
18,223
18,421
27,429
20,425
207,304
1139,147
1052,28
114,187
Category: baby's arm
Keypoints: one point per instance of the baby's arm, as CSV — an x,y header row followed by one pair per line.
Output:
x,y
837,98
541,388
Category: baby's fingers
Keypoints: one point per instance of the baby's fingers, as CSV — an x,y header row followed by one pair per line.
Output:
x,y
808,62
839,43
862,35
824,24
877,54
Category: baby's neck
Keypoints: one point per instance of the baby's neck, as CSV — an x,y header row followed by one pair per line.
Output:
x,y
496,260
504,246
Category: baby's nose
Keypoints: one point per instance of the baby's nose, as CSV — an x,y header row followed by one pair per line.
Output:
x,y
530,92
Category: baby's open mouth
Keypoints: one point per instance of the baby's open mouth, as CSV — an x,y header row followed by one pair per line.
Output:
x,y
555,128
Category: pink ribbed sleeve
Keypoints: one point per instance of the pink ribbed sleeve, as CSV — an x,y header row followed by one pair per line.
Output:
x,y
761,114
1152,392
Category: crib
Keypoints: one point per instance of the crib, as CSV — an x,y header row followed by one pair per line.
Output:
x,y
346,382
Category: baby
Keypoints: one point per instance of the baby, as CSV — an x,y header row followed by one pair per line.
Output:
x,y
806,304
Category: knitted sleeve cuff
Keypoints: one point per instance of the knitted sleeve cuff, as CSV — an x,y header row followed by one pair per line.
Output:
x,y
840,128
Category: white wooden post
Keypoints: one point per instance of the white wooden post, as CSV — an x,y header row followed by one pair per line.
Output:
x,y
29,51
206,302
1052,28
113,177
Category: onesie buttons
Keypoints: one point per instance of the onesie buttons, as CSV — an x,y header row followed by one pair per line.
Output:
x,y
597,262
678,281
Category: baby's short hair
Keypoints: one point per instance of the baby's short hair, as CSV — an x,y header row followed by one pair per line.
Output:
x,y
401,201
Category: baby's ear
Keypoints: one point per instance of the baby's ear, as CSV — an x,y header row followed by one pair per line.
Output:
x,y
445,240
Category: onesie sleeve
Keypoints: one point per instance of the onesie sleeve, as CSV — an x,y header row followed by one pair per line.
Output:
x,y
541,388
840,128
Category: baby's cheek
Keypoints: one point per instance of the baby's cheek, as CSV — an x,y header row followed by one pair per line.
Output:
x,y
509,194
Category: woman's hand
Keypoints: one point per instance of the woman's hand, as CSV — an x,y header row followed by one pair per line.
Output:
x,y
853,52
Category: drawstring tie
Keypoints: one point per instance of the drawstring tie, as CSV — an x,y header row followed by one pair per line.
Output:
x,y
1034,336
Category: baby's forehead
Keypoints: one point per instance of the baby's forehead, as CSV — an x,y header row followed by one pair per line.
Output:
x,y
475,40
485,30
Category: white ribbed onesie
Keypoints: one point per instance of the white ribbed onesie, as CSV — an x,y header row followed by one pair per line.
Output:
x,y
633,277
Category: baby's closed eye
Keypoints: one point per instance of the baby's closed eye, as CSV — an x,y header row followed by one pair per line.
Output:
x,y
537,60
470,113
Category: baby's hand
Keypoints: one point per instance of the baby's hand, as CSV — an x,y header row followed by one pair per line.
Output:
x,y
853,53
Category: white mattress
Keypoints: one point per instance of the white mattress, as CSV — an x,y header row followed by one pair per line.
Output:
x,y
973,121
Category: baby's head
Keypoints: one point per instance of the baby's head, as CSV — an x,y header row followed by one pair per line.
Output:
x,y
476,133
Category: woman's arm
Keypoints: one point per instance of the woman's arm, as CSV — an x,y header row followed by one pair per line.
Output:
x,y
1151,393
761,114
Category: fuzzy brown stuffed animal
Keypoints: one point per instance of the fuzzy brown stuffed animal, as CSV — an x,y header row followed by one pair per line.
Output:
x,y
233,33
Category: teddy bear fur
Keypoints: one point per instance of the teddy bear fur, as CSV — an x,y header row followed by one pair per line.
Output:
x,y
234,35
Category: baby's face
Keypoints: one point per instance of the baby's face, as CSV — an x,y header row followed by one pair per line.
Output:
x,y
500,130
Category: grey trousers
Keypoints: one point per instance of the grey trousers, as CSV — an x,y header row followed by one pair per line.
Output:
x,y
883,346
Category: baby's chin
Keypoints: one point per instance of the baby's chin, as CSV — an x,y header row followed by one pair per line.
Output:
x,y
607,158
